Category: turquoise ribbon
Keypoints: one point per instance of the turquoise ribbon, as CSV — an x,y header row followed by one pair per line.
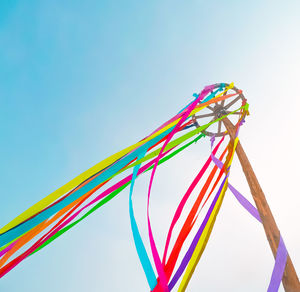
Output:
x,y
139,245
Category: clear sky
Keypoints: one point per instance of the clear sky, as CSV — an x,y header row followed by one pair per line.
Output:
x,y
80,80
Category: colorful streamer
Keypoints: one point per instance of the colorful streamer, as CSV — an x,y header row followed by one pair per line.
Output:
x,y
64,208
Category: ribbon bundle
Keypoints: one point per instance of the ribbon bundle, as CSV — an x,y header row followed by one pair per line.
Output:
x,y
70,204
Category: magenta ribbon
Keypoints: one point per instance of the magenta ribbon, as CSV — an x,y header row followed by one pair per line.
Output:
x,y
193,245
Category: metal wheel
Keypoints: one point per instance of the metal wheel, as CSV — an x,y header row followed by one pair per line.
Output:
x,y
218,109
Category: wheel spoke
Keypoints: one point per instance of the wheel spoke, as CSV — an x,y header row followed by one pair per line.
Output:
x,y
219,127
231,103
209,107
205,116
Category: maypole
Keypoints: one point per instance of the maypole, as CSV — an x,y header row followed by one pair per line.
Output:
x,y
290,279
67,206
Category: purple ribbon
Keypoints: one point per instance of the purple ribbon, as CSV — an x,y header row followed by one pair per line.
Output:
x,y
281,255
279,267
244,202
193,245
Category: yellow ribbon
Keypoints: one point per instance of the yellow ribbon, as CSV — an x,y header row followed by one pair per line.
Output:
x,y
206,232
96,168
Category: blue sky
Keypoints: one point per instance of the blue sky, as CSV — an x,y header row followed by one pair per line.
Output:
x,y
80,80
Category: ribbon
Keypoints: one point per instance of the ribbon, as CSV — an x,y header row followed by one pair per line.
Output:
x,y
281,255
68,202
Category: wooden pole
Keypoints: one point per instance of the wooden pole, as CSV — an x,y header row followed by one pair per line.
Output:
x,y
290,279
